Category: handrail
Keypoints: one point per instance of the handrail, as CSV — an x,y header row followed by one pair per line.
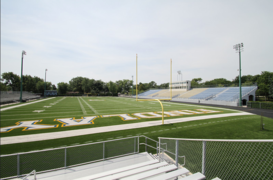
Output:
x,y
221,140
32,172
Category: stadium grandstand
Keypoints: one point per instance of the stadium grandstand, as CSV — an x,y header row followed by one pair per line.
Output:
x,y
214,95
13,96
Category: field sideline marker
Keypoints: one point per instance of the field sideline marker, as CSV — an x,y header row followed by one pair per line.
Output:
x,y
11,107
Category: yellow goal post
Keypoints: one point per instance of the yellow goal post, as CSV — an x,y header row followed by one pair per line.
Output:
x,y
159,100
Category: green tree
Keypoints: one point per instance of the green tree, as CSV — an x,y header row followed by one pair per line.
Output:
x,y
112,87
85,85
54,87
270,92
3,87
40,86
195,81
12,80
76,84
62,88
264,83
28,83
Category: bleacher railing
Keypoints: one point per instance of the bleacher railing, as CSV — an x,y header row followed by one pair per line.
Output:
x,y
225,159
20,164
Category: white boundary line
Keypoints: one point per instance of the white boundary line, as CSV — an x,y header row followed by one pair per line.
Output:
x,y
80,132
83,110
93,109
24,104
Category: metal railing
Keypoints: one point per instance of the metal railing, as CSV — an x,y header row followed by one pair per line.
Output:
x,y
20,164
225,159
32,172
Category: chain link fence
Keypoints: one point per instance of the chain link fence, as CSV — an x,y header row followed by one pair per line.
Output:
x,y
225,159
17,165
260,105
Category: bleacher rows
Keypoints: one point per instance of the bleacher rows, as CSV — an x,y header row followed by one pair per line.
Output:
x,y
11,96
215,94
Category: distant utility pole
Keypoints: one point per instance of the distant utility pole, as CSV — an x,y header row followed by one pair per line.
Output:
x,y
21,85
239,48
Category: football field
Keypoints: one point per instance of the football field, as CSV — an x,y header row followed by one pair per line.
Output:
x,y
64,121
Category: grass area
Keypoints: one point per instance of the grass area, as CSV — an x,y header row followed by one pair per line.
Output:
x,y
78,107
234,127
240,127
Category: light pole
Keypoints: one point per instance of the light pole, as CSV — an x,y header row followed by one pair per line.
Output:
x,y
45,83
21,85
239,48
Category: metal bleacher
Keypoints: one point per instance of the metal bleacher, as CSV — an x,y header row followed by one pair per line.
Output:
x,y
12,96
150,170
232,93
149,92
208,93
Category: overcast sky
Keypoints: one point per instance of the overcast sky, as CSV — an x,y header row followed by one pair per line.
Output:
x,y
99,39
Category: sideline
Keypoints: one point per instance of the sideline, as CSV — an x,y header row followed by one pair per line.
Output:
x,y
24,104
87,131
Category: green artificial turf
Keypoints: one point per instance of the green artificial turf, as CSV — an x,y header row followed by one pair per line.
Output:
x,y
234,127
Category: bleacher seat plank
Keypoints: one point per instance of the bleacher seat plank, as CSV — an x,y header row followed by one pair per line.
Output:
x,y
115,171
195,176
172,174
151,173
134,171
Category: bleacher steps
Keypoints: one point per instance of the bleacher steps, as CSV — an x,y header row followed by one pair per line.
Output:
x,y
195,176
134,171
172,174
103,174
152,173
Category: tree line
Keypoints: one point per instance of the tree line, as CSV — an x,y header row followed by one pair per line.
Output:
x,y
11,82
84,85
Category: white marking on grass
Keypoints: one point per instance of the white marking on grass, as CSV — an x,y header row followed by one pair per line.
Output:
x,y
100,140
47,106
88,141
79,132
182,104
38,111
12,107
146,133
83,110
94,110
75,144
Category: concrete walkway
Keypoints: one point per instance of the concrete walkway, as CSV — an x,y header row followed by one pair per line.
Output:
x,y
80,132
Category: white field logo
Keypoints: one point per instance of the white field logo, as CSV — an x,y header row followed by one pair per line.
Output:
x,y
68,122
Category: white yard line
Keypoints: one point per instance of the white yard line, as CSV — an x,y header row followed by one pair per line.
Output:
x,y
182,104
94,110
79,132
4,109
83,110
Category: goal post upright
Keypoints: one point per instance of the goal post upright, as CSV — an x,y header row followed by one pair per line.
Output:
x,y
159,100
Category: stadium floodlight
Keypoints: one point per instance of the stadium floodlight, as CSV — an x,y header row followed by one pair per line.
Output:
x,y
178,75
45,83
21,85
239,47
